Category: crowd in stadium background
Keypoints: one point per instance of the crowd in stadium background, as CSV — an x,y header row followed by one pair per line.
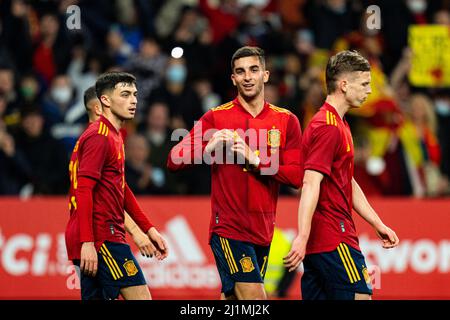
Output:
x,y
401,135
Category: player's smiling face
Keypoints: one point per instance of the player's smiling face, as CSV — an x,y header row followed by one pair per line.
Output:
x,y
249,76
124,100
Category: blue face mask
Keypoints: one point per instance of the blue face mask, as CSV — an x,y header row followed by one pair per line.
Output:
x,y
176,73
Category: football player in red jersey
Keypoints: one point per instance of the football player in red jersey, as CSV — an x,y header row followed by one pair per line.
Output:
x,y
98,197
261,143
334,267
142,241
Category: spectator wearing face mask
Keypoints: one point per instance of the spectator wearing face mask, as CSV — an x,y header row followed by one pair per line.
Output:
x,y
29,89
184,103
61,117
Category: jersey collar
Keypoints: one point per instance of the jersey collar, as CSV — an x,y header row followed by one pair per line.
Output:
x,y
259,116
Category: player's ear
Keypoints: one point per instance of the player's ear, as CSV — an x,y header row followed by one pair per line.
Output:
x,y
98,109
106,101
343,83
266,76
232,79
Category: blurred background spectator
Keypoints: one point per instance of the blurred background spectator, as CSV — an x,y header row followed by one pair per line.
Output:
x,y
180,52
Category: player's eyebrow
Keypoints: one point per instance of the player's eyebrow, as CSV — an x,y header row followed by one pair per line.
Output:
x,y
128,91
243,68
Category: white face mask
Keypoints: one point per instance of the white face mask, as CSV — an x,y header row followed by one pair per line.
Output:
x,y
442,107
157,138
417,6
61,94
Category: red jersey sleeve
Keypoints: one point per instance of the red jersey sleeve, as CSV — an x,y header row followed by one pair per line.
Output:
x,y
322,148
189,151
134,210
84,201
289,166
92,155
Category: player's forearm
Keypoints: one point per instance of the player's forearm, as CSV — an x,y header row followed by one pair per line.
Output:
x,y
186,153
134,210
307,206
130,226
362,206
289,175
286,171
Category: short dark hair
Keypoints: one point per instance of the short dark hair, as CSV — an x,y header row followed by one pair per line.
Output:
x,y
343,62
109,80
248,51
89,95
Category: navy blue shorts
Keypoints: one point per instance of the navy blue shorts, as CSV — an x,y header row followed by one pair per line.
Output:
x,y
117,268
335,275
238,261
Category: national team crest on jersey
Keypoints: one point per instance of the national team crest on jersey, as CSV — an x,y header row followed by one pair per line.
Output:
x,y
274,138
247,264
130,268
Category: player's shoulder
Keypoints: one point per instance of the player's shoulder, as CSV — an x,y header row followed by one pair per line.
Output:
x,y
323,123
324,117
96,131
279,110
224,107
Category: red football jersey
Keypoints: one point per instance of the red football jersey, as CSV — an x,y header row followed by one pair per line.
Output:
x,y
243,201
327,147
99,155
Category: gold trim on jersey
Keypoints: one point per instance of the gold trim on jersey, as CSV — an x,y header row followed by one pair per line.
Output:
x,y
103,129
228,255
278,109
226,106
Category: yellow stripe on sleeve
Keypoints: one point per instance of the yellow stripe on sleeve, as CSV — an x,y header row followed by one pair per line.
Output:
x,y
100,128
104,129
328,117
